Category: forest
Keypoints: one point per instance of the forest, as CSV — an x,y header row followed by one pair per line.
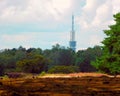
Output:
x,y
56,60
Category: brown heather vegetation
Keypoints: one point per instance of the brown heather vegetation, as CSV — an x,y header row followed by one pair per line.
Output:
x,y
86,84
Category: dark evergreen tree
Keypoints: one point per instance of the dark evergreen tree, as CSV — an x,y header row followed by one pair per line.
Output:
x,y
110,61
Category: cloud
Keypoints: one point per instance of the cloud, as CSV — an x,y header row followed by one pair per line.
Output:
x,y
41,23
116,6
33,10
98,14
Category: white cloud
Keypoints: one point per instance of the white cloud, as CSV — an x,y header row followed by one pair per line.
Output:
x,y
103,16
33,10
116,6
89,10
61,5
96,16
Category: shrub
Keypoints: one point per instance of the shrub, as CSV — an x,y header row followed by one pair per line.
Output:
x,y
63,69
42,73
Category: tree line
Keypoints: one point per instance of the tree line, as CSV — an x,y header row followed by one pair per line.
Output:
x,y
56,60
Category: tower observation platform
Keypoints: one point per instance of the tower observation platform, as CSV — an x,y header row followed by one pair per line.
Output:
x,y
72,42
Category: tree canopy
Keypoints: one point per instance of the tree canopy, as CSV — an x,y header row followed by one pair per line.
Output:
x,y
36,60
110,61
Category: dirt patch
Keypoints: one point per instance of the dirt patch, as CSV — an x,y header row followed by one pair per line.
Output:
x,y
87,74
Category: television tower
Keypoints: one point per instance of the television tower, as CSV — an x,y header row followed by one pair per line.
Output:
x,y
72,42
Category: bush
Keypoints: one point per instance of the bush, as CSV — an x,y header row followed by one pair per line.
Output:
x,y
42,73
63,69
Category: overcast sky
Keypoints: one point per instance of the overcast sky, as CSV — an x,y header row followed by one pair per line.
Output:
x,y
43,23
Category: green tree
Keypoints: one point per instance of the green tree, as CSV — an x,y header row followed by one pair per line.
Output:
x,y
66,57
37,51
85,57
36,64
60,56
110,61
7,59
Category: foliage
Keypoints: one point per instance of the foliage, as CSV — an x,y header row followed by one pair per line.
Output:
x,y
35,64
60,56
42,73
63,69
10,57
2,69
85,57
36,60
110,61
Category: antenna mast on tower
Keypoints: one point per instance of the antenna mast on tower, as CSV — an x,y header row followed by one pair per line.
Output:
x,y
72,42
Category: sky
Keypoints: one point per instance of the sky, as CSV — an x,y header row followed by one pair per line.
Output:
x,y
44,23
